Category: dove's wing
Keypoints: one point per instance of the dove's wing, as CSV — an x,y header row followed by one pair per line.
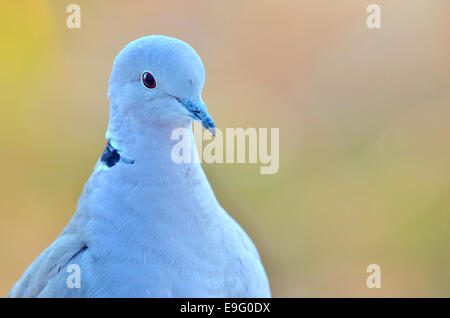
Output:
x,y
48,265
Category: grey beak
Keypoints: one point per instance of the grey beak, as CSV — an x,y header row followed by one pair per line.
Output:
x,y
197,109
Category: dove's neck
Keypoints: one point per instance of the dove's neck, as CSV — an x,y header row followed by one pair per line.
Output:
x,y
144,138
153,177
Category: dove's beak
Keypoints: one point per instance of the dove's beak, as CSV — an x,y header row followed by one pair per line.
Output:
x,y
197,109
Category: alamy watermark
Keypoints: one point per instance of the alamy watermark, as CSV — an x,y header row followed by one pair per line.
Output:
x,y
74,279
374,279
234,150
373,20
74,19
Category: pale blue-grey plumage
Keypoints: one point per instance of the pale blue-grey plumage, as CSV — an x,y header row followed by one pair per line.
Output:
x,y
146,226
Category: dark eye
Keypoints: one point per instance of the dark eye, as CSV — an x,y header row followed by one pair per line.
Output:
x,y
148,80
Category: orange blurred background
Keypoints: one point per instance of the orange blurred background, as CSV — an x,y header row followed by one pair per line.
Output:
x,y
364,118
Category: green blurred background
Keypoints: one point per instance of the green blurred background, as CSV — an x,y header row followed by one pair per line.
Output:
x,y
364,118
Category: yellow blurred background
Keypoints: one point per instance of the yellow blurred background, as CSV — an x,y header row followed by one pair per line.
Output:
x,y
364,118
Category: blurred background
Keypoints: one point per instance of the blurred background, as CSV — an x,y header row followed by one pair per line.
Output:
x,y
364,118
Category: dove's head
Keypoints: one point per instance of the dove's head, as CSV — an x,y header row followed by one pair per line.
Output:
x,y
157,81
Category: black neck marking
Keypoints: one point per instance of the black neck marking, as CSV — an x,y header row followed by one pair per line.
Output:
x,y
110,156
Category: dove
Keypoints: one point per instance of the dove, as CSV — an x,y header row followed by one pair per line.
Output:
x,y
146,226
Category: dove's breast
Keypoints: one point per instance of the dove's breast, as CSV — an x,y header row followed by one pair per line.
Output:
x,y
163,240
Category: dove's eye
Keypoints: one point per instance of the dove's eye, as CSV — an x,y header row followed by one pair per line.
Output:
x,y
148,80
